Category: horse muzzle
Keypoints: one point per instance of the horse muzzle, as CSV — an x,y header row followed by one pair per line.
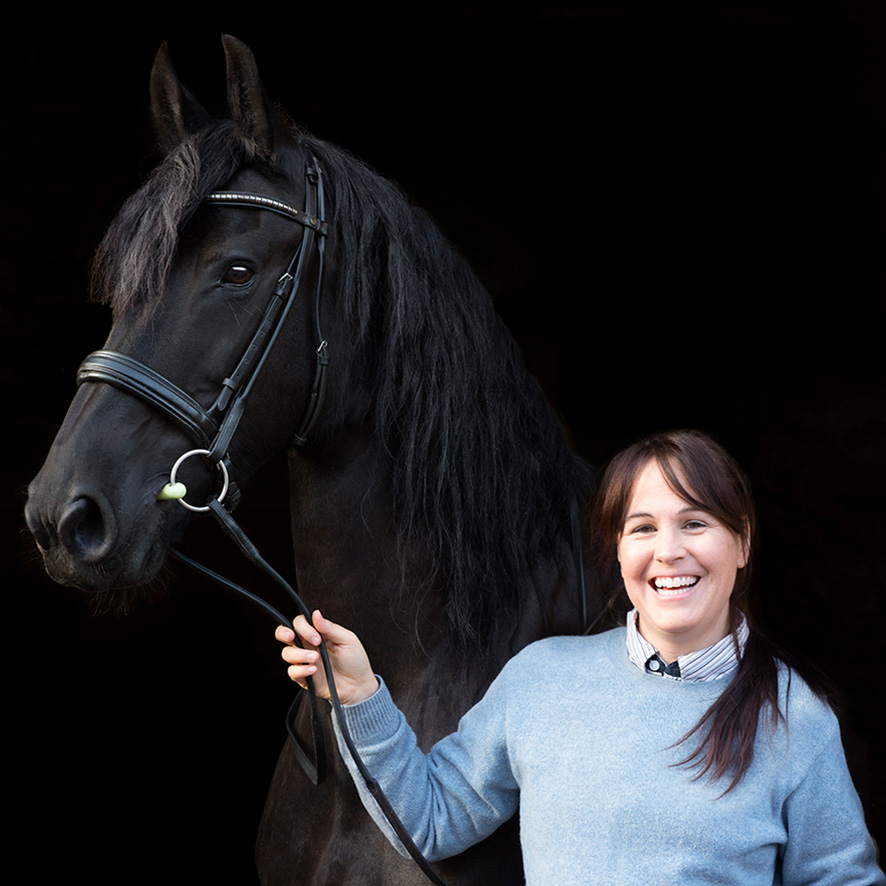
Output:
x,y
82,544
98,530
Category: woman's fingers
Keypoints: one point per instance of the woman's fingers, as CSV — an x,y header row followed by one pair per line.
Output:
x,y
304,663
300,671
307,633
296,655
300,653
303,631
351,669
284,634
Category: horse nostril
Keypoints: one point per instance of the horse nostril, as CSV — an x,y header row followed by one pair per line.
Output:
x,y
85,531
44,535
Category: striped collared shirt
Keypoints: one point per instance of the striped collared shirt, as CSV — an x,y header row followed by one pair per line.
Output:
x,y
712,663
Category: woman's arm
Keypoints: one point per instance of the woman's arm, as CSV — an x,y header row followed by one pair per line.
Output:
x,y
449,799
828,841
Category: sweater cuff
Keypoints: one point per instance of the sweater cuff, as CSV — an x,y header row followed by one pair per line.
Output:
x,y
374,719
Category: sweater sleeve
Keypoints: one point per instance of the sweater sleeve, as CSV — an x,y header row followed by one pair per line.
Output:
x,y
447,800
828,843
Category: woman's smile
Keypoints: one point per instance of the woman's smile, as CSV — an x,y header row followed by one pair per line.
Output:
x,y
673,586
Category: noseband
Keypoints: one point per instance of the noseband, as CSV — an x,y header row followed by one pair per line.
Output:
x,y
213,429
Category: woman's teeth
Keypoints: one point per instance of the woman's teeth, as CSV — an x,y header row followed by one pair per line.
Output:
x,y
672,586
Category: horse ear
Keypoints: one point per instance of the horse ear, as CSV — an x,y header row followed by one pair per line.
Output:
x,y
249,105
176,113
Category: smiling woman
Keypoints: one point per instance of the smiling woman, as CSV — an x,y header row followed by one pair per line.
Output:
x,y
676,512
686,707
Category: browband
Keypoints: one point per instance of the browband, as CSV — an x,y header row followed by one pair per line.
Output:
x,y
241,198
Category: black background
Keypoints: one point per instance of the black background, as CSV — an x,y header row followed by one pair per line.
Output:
x,y
680,214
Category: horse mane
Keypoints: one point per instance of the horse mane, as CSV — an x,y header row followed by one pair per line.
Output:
x,y
482,477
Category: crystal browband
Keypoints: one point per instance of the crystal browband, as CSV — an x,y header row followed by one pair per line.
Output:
x,y
237,198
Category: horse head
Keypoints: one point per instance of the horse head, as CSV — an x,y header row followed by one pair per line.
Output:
x,y
213,274
435,461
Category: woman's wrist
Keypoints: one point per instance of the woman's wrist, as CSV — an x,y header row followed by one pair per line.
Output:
x,y
365,690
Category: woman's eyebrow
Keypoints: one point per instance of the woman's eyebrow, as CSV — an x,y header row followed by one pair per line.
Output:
x,y
686,510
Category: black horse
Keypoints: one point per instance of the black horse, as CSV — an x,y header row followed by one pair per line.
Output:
x,y
434,499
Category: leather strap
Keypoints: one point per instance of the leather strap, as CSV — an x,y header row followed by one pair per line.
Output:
x,y
128,374
239,198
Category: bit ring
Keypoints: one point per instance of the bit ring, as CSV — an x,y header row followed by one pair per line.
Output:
x,y
220,465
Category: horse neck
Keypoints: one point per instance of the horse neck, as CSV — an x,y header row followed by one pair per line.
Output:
x,y
343,535
347,565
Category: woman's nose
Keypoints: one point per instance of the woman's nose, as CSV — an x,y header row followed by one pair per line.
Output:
x,y
669,546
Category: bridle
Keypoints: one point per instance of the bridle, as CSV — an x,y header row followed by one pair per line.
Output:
x,y
213,429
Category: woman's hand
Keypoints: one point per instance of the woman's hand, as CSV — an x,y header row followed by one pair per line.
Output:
x,y
351,670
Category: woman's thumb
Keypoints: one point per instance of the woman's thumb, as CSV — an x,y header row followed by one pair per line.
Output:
x,y
329,629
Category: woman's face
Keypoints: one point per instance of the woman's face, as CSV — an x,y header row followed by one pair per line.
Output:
x,y
679,565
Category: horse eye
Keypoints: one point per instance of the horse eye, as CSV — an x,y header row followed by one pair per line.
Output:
x,y
237,275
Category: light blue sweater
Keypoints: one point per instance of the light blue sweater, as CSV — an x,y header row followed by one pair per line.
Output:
x,y
580,739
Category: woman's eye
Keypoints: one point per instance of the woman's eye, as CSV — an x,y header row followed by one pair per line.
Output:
x,y
695,524
237,275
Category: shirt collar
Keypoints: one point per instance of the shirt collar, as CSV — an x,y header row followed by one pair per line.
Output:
x,y
713,663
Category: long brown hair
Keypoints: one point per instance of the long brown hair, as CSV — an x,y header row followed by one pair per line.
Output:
x,y
704,475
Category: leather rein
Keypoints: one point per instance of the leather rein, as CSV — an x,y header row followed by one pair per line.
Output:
x,y
213,429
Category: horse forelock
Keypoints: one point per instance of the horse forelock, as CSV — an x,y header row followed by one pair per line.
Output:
x,y
134,258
